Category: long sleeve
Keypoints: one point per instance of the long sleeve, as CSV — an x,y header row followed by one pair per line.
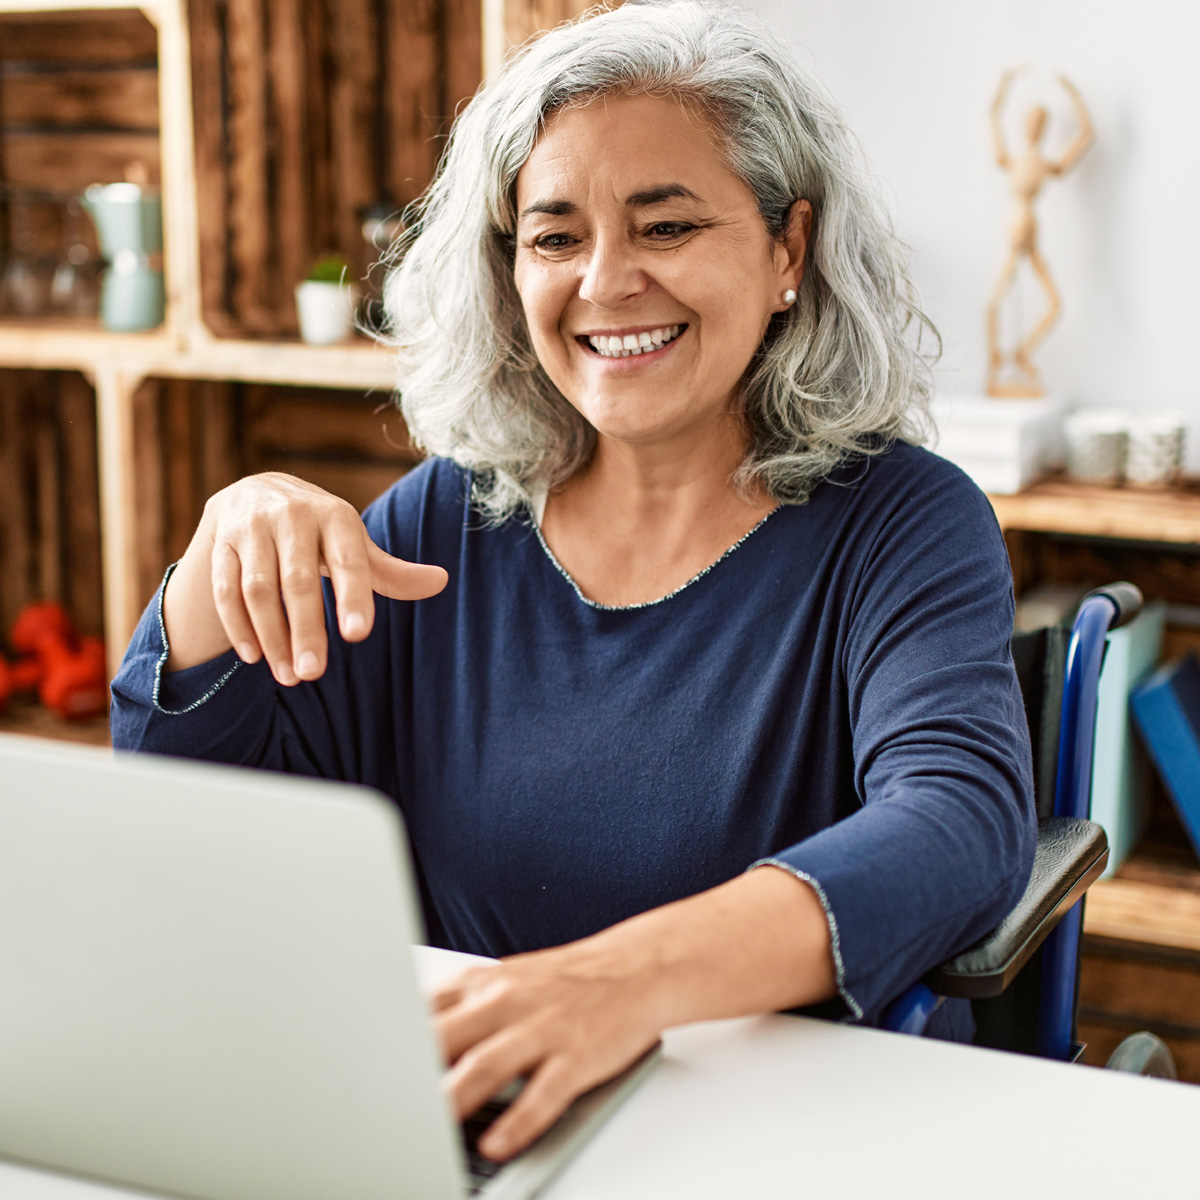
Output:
x,y
231,712
943,842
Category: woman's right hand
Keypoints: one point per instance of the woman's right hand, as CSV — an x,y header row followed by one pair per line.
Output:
x,y
251,578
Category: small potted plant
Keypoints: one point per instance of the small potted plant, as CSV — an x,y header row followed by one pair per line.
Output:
x,y
325,302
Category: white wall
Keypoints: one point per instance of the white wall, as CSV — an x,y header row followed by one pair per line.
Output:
x,y
1121,233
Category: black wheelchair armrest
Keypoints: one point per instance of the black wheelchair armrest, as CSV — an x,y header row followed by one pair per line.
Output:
x,y
1071,855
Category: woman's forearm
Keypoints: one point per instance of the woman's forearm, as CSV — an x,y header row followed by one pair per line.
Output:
x,y
759,943
572,1016
569,1017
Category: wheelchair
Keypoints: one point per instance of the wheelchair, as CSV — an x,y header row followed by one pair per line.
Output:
x,y
1023,978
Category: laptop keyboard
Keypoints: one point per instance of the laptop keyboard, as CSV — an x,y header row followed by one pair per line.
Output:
x,y
479,1169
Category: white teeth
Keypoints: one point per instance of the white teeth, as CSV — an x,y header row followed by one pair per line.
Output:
x,y
633,343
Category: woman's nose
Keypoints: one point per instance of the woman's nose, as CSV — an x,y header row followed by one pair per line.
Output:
x,y
612,273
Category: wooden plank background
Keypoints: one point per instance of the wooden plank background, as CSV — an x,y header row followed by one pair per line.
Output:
x,y
115,36
524,18
65,162
192,438
119,99
49,496
307,112
352,445
1125,988
78,105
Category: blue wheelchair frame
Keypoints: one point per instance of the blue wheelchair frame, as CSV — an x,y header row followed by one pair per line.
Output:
x,y
910,1012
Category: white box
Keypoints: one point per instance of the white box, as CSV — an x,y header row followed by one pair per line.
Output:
x,y
1004,445
998,477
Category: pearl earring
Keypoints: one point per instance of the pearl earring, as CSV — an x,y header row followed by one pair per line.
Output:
x,y
789,297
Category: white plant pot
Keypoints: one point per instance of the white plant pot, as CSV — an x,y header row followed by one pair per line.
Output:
x,y
326,312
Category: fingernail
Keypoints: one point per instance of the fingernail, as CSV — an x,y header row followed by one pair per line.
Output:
x,y
247,653
307,664
354,624
286,675
495,1145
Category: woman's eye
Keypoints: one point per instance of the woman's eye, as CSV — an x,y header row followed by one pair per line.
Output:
x,y
554,241
670,229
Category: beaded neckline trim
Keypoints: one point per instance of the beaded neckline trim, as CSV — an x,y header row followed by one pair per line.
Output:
x,y
661,599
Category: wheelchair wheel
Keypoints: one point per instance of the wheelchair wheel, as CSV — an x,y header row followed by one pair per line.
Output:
x,y
1143,1054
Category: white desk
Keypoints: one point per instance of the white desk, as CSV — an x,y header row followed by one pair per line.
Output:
x,y
779,1107
787,1107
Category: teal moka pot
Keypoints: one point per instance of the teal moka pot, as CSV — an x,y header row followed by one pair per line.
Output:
x,y
128,223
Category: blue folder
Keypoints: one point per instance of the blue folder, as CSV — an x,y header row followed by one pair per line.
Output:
x,y
1167,711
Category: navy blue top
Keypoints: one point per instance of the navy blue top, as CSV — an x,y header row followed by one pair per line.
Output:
x,y
835,695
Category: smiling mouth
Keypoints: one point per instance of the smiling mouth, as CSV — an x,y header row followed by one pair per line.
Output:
x,y
632,344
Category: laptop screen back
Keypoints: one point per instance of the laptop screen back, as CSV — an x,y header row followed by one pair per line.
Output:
x,y
206,985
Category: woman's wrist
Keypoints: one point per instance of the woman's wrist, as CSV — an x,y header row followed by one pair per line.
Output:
x,y
194,630
759,943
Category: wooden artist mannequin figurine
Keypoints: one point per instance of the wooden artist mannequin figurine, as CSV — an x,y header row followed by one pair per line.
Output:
x,y
1027,170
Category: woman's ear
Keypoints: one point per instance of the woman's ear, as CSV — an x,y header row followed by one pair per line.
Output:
x,y
795,242
789,254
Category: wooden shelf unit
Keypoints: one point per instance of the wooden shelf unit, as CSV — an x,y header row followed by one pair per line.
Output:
x,y
185,347
1141,956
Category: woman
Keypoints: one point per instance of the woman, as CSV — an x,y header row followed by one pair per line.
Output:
x,y
703,606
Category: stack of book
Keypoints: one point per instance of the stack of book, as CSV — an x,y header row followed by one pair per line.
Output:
x,y
1167,710
1003,445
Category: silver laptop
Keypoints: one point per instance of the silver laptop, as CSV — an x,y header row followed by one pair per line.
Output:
x,y
207,989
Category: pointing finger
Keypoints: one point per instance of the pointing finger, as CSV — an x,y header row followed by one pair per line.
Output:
x,y
402,580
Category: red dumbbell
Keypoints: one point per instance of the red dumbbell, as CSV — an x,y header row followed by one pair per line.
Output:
x,y
21,676
72,669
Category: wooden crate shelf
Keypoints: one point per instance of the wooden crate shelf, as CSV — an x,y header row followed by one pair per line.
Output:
x,y
1135,514
352,142
49,497
1141,952
84,345
1159,914
78,106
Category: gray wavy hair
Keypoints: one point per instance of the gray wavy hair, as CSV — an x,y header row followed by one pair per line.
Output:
x,y
840,372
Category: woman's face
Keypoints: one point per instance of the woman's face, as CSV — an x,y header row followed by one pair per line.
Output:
x,y
632,231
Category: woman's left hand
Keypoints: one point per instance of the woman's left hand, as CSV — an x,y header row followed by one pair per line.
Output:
x,y
567,1019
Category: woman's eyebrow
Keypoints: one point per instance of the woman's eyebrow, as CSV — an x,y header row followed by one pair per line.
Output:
x,y
656,195
552,208
642,199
